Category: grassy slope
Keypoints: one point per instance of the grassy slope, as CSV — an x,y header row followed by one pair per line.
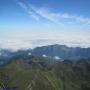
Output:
x,y
34,77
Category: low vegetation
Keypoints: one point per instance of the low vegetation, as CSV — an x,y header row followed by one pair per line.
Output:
x,y
38,73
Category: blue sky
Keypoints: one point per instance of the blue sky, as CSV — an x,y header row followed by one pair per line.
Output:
x,y
21,17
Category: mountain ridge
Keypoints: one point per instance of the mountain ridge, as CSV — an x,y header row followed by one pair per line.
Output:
x,y
60,52
38,73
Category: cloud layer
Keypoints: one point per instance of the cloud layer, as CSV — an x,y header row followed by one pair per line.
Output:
x,y
30,40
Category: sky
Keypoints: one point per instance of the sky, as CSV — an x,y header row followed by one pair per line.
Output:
x,y
31,23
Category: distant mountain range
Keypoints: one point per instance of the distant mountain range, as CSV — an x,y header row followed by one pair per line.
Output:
x,y
60,52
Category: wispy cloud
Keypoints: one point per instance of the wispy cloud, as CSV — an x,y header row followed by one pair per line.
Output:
x,y
29,10
38,13
22,5
58,17
33,15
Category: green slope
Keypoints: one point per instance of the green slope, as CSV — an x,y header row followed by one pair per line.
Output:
x,y
37,73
